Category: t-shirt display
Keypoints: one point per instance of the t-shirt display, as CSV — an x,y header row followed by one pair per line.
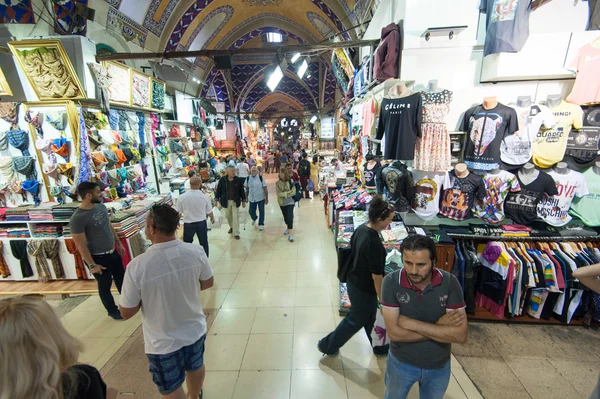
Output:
x,y
507,25
587,84
521,207
433,149
458,198
516,148
588,208
428,186
550,145
370,174
555,210
486,128
400,121
497,188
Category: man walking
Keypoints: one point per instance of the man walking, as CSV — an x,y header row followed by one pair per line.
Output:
x,y
242,169
258,196
95,239
195,207
304,174
230,194
277,161
165,283
424,313
296,157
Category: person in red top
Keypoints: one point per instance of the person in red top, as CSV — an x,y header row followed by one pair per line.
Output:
x,y
292,172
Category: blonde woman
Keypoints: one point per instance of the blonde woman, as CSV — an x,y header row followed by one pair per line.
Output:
x,y
285,191
38,357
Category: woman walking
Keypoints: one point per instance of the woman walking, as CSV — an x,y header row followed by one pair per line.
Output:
x,y
285,192
367,262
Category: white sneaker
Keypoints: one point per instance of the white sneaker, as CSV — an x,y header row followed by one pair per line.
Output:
x,y
253,223
291,239
286,232
261,228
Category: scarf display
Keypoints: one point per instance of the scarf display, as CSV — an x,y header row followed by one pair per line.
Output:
x,y
49,76
61,147
113,177
26,166
9,112
58,120
132,120
136,154
19,139
122,174
3,142
94,139
4,270
91,120
175,131
128,154
107,136
44,146
102,82
33,188
99,159
117,137
3,191
148,124
6,168
111,158
122,119
102,180
120,157
175,146
113,119
36,120
66,169
79,266
84,170
158,95
50,170
18,248
140,91
126,138
50,248
141,123
35,249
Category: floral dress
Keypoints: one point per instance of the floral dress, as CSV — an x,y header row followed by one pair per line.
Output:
x,y
432,150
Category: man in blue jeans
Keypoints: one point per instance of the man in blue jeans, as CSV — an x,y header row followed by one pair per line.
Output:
x,y
258,195
195,206
424,313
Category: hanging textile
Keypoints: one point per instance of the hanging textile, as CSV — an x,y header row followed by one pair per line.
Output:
x,y
58,120
102,82
26,166
103,180
122,119
36,120
44,146
79,266
3,142
91,120
6,168
19,250
56,192
35,249
84,168
50,170
122,175
94,139
51,248
110,157
19,139
126,257
120,157
9,112
66,169
140,127
113,119
158,95
107,136
33,188
128,155
137,244
61,147
4,270
99,159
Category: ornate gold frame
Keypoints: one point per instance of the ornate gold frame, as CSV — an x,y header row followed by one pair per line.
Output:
x,y
29,44
132,74
121,66
4,86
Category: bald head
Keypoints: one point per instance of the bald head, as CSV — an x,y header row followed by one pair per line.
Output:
x,y
195,182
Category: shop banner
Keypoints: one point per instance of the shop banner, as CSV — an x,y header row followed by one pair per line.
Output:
x,y
327,129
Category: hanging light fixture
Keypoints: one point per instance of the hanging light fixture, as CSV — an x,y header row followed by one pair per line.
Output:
x,y
276,72
302,69
313,119
295,57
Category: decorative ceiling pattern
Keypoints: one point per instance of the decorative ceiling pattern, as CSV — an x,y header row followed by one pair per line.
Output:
x,y
158,14
227,10
320,24
184,23
130,30
331,15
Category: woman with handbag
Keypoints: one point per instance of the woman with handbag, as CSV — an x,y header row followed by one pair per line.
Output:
x,y
285,192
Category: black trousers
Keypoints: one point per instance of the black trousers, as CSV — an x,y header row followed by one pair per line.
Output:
x,y
114,271
197,228
288,215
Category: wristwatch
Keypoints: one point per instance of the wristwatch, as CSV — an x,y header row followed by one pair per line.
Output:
x,y
91,266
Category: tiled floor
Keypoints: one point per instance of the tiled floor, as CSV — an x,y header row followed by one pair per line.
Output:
x,y
273,300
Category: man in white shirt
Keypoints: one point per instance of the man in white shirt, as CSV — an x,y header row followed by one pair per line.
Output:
x,y
167,280
186,185
258,195
296,157
195,207
242,169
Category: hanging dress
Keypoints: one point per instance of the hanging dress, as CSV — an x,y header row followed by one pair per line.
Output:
x,y
432,149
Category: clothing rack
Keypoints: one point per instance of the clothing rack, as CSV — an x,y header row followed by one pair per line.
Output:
x,y
524,239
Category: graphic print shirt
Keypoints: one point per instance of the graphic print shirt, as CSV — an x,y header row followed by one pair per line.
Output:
x,y
428,186
521,207
486,128
507,24
588,207
370,174
555,210
458,198
400,121
497,188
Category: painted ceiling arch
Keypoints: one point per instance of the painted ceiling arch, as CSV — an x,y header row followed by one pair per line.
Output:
x,y
276,106
208,28
273,99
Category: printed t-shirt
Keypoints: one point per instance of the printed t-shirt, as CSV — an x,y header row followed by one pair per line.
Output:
x,y
428,186
507,25
458,198
400,121
486,128
497,187
521,207
95,223
370,174
550,145
555,210
587,84
516,148
588,208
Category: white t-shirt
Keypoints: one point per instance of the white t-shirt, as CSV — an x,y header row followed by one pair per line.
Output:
x,y
242,170
428,185
517,148
555,210
194,205
166,280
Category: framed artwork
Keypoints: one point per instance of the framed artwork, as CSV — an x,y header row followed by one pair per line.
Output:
x,y
119,86
48,69
158,94
140,89
4,87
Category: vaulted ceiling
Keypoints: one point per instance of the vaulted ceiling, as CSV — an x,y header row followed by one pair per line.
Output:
x,y
229,24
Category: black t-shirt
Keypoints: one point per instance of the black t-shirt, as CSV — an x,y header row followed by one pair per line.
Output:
x,y
368,257
370,174
400,120
458,199
521,207
486,129
89,383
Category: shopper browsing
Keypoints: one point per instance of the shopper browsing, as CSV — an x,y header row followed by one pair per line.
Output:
x,y
304,174
424,314
242,169
292,173
230,194
296,158
338,165
186,185
195,206
167,280
95,239
258,196
285,192
314,173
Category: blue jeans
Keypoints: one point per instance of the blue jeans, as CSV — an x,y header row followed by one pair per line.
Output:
x,y
197,228
261,210
400,377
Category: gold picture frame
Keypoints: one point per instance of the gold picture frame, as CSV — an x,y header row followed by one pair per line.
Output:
x,y
51,56
135,74
115,67
4,86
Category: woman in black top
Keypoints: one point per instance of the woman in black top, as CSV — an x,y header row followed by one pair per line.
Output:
x,y
370,171
38,357
364,279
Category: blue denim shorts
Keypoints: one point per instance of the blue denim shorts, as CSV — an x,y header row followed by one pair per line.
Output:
x,y
168,371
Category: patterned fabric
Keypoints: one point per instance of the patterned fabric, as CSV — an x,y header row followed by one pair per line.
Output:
x,y
3,142
91,120
121,158
9,112
19,139
50,248
61,147
36,120
58,120
33,188
85,157
6,168
158,95
49,76
137,244
141,91
44,146
99,159
432,150
50,170
122,119
113,119
111,158
102,82
35,249
26,166
4,270
19,250
140,128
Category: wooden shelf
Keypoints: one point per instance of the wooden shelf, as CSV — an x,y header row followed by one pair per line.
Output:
x,y
482,314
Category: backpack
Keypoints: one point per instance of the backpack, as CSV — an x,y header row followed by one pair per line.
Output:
x,y
298,196
303,168
248,178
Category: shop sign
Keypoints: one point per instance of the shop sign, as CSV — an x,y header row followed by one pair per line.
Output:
x,y
327,129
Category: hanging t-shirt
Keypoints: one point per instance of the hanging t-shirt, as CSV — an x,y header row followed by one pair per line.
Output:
x,y
550,145
588,208
497,187
521,207
516,148
555,210
587,84
486,128
370,174
400,121
428,186
507,25
368,110
459,196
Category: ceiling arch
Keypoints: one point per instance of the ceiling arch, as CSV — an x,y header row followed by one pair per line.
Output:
x,y
208,28
272,99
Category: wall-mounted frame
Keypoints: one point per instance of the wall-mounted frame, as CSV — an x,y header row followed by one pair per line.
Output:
x,y
4,86
141,90
154,81
119,88
40,59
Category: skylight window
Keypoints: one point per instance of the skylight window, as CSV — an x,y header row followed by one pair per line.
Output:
x,y
274,37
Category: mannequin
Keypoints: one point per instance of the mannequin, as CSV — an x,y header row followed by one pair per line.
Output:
x,y
596,168
528,173
461,170
399,90
553,100
399,182
432,86
524,101
495,171
489,102
562,168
